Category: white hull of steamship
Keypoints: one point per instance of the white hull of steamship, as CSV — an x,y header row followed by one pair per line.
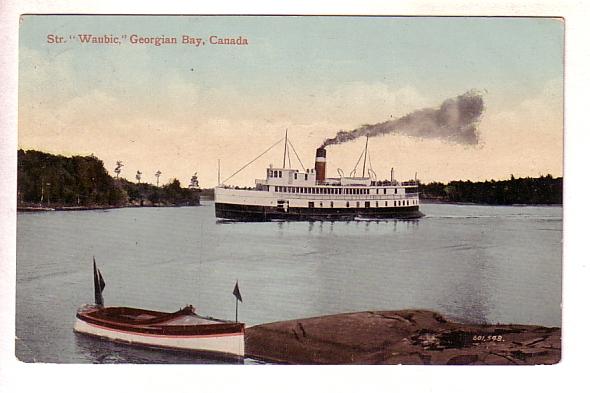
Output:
x,y
289,194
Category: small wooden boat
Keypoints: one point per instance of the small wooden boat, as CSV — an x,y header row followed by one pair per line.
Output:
x,y
180,330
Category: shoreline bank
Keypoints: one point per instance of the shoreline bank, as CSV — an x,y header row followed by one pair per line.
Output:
x,y
426,201
84,208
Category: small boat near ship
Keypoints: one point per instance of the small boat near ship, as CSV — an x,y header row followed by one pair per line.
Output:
x,y
180,330
289,194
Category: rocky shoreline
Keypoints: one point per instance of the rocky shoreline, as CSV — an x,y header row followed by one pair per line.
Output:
x,y
437,201
63,208
82,208
410,337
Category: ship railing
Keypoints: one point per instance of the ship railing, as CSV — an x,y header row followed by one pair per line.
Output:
x,y
351,197
289,195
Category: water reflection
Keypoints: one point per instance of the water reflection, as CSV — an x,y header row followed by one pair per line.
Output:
x,y
468,299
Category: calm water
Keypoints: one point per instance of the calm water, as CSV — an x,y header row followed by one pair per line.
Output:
x,y
473,263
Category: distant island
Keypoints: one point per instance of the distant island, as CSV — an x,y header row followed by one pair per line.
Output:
x,y
47,181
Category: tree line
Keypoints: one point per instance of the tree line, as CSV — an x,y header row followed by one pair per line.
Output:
x,y
544,190
55,180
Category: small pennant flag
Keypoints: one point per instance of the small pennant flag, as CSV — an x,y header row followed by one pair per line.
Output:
x,y
100,280
237,293
99,285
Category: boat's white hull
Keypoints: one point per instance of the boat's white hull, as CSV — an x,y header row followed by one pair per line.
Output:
x,y
228,343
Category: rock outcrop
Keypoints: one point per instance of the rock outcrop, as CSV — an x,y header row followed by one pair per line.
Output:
x,y
401,337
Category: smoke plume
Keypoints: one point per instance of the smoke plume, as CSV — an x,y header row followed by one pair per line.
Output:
x,y
456,120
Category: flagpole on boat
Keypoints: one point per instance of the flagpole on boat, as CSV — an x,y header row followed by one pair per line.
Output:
x,y
238,296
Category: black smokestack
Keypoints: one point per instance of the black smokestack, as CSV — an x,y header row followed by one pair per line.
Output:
x,y
456,120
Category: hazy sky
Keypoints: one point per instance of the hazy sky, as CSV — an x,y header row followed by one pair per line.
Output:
x,y
180,108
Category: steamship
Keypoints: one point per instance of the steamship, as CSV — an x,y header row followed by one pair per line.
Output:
x,y
290,194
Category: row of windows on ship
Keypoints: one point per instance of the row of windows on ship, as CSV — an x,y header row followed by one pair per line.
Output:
x,y
326,190
368,203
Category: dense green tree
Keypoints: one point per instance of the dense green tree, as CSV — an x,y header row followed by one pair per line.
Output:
x,y
68,181
542,190
54,180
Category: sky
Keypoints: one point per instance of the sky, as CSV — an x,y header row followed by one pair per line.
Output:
x,y
181,108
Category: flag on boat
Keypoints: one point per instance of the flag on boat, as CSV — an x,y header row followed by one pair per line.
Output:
x,y
237,293
100,280
99,285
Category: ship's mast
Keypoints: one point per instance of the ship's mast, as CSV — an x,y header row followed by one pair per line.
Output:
x,y
285,151
365,161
